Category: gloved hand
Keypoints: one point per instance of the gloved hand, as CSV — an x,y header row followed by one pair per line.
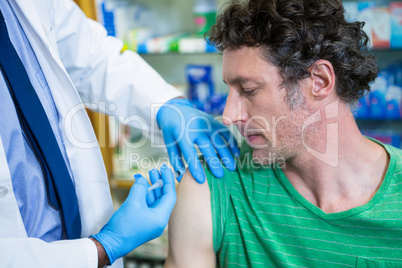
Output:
x,y
140,218
183,126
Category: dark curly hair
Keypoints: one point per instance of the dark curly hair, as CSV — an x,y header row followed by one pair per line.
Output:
x,y
293,34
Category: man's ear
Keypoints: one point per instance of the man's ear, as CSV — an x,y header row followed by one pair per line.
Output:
x,y
323,79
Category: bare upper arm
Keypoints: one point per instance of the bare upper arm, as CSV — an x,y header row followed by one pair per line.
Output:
x,y
190,227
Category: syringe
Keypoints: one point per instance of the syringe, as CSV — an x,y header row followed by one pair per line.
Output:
x,y
159,183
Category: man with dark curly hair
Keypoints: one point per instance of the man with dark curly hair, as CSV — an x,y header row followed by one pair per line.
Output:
x,y
309,190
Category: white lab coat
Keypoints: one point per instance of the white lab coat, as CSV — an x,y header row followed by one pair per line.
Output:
x,y
80,63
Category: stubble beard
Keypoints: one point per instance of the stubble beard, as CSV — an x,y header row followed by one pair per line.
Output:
x,y
288,143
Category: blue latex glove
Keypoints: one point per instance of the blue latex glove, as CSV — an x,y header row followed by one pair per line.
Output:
x,y
140,218
183,126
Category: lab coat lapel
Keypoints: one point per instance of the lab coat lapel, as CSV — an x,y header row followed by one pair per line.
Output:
x,y
26,13
34,21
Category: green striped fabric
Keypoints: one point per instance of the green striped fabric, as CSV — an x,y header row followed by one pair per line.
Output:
x,y
260,220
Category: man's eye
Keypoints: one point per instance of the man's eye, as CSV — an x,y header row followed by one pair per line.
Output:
x,y
249,92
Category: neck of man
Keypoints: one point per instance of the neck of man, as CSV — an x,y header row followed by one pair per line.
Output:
x,y
354,178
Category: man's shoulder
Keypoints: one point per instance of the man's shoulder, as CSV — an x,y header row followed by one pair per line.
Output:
x,y
190,226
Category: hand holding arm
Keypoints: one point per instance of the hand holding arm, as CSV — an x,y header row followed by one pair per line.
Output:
x,y
183,127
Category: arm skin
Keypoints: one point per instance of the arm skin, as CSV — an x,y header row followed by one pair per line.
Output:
x,y
103,260
190,227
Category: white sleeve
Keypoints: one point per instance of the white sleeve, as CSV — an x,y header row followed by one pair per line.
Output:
x,y
101,73
35,253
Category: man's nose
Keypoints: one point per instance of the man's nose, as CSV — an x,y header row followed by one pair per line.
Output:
x,y
234,112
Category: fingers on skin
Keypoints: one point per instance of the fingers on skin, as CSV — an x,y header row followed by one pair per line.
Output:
x,y
208,150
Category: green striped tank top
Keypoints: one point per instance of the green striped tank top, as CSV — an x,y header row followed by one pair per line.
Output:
x,y
260,220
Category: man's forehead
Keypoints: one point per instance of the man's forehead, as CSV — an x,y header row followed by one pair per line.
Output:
x,y
247,65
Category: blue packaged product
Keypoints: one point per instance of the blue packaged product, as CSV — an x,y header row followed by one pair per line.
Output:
x,y
366,14
396,24
218,102
363,108
394,101
378,103
394,92
108,20
142,48
210,48
201,86
396,70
